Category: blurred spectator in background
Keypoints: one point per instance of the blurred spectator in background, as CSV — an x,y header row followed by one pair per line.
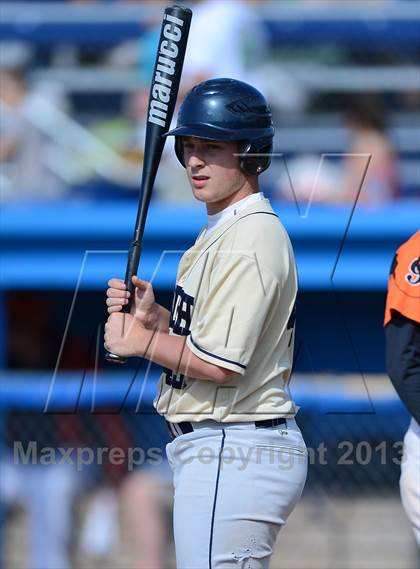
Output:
x,y
46,491
28,170
227,39
230,39
145,495
310,179
44,152
140,489
369,165
368,136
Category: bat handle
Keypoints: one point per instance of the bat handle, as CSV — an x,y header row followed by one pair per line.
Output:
x,y
114,359
132,266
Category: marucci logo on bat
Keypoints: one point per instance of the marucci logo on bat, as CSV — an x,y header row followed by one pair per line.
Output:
x,y
165,68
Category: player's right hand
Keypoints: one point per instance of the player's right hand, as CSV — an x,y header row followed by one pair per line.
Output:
x,y
143,307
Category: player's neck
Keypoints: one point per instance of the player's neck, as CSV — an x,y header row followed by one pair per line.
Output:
x,y
248,188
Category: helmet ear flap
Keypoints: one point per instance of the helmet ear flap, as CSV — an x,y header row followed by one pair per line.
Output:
x,y
255,155
179,150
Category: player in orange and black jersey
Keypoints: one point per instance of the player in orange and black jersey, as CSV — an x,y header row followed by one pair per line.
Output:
x,y
402,333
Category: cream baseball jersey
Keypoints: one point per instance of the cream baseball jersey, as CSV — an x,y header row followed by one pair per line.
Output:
x,y
235,303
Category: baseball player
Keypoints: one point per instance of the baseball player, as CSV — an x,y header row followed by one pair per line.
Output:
x,y
402,333
238,457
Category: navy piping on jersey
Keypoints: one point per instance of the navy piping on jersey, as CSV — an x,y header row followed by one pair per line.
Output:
x,y
222,444
255,213
214,355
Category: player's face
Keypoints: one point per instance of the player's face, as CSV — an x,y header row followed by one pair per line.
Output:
x,y
214,173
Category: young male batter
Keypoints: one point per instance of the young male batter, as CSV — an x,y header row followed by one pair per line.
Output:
x,y
238,457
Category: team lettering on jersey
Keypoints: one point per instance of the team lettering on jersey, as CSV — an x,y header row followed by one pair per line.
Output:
x,y
413,275
180,324
404,281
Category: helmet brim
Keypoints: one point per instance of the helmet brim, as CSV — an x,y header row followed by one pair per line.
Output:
x,y
212,132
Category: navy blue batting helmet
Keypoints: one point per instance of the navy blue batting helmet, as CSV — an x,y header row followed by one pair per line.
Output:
x,y
228,109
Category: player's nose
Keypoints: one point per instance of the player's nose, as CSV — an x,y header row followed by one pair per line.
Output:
x,y
195,160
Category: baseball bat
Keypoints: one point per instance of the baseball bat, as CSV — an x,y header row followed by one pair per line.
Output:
x,y
162,98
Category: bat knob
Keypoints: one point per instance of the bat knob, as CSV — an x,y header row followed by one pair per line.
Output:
x,y
113,358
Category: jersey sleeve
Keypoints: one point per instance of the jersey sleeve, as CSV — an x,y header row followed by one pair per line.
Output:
x,y
227,323
402,342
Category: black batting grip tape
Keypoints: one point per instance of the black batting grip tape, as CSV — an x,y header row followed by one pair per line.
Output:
x,y
162,99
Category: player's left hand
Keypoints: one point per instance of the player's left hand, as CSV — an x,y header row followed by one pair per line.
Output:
x,y
125,336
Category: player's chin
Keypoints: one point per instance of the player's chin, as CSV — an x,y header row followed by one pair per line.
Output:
x,y
201,194
205,197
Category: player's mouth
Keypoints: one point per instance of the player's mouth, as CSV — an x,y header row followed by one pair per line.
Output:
x,y
199,181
